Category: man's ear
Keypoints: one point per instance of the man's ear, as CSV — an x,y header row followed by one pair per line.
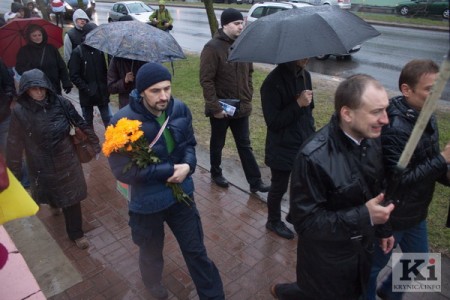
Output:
x,y
346,114
406,90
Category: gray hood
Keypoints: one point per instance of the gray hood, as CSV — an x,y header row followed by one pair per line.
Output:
x,y
34,78
79,14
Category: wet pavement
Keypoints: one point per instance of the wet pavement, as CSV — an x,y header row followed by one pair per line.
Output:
x,y
249,257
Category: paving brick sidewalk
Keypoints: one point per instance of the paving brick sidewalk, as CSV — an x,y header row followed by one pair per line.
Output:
x,y
249,258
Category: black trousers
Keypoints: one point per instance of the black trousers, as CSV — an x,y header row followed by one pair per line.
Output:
x,y
73,218
241,133
280,181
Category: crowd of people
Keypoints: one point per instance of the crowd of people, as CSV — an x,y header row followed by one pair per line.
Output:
x,y
336,176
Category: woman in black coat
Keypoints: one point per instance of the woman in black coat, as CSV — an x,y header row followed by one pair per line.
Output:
x,y
37,53
40,127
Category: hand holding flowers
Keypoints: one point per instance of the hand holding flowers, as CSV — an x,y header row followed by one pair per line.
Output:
x,y
127,138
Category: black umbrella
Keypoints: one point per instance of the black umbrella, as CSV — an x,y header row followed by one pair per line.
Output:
x,y
300,33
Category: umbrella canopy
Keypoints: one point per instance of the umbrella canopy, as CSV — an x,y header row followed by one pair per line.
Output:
x,y
300,33
135,40
12,37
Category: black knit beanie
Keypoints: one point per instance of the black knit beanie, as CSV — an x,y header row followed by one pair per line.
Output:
x,y
149,74
230,15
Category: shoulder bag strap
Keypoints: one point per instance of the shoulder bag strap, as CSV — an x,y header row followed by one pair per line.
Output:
x,y
160,132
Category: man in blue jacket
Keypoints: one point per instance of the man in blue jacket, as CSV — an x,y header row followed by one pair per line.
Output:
x,y
152,201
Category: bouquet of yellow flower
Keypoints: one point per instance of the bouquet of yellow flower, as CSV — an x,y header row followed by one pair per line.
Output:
x,y
126,137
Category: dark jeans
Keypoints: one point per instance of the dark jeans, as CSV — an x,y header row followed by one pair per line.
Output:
x,y
147,232
280,181
105,113
240,129
72,216
59,18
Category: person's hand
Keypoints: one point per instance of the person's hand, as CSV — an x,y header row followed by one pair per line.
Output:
x,y
179,173
67,90
221,115
379,214
446,153
304,98
386,244
129,77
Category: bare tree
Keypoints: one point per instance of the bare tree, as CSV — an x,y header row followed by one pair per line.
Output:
x,y
213,26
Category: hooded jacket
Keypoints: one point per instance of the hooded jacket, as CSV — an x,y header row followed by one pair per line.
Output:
x,y
221,79
288,124
149,193
74,36
416,184
45,57
41,129
87,69
331,181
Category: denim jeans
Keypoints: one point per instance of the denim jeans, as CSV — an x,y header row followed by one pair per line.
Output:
x,y
412,240
105,113
278,187
147,231
240,130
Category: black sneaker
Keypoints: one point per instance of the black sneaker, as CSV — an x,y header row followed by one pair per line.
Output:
x,y
280,229
220,181
260,187
158,291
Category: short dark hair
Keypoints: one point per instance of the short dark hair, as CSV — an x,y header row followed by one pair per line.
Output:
x,y
349,91
413,70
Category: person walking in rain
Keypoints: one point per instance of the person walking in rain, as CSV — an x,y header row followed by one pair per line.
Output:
x,y
75,36
161,17
37,53
222,80
40,127
287,104
88,71
336,195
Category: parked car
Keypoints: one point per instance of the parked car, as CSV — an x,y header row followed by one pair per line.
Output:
x,y
138,10
262,9
423,7
72,5
344,4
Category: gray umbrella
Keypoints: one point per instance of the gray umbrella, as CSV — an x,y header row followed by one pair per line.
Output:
x,y
300,33
135,40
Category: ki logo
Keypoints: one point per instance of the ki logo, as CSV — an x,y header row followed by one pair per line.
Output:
x,y
416,272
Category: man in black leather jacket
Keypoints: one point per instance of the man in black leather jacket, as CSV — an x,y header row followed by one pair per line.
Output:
x,y
335,196
416,184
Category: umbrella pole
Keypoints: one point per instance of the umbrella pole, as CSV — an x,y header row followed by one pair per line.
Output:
x,y
132,66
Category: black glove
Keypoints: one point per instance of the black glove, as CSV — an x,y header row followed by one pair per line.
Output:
x,y
67,90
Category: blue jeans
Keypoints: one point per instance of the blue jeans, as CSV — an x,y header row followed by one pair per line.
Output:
x,y
240,129
412,240
147,231
105,113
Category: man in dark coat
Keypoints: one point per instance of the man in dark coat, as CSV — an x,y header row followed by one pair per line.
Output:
x,y
152,201
335,196
88,71
287,104
221,80
416,184
40,126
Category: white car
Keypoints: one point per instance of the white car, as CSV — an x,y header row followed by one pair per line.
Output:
x,y
344,4
138,10
267,8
